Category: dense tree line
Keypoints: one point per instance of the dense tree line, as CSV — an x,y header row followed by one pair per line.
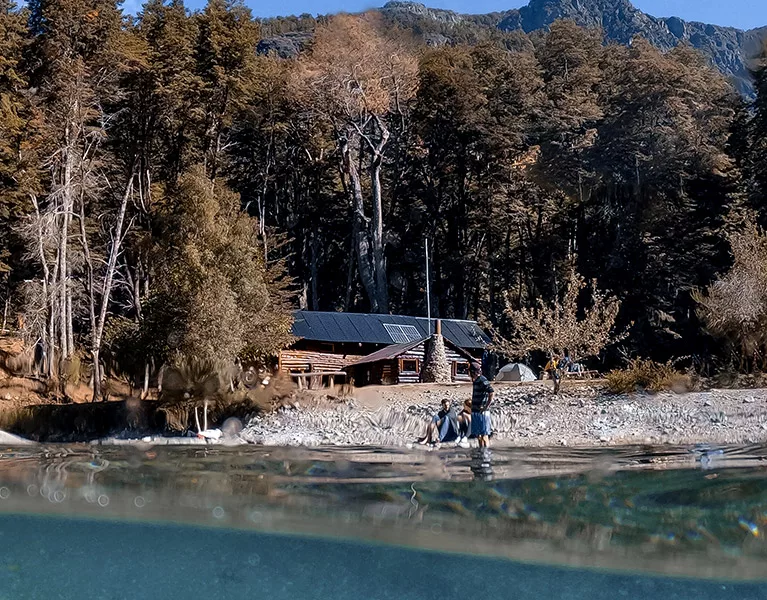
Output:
x,y
167,191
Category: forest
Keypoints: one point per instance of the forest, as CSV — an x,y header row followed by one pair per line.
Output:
x,y
166,190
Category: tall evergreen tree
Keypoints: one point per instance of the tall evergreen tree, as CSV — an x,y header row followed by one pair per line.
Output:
x,y
15,116
226,61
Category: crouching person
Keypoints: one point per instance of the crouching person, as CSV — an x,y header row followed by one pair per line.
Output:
x,y
444,425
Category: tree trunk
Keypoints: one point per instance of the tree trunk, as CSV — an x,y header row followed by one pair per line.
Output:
x,y
359,228
89,282
67,193
137,292
62,302
350,280
379,259
46,334
107,288
5,315
314,270
145,388
70,329
55,351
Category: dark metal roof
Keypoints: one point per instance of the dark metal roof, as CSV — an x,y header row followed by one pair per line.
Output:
x,y
388,353
369,329
397,350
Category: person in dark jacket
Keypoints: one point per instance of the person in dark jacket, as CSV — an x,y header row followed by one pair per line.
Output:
x,y
481,398
444,425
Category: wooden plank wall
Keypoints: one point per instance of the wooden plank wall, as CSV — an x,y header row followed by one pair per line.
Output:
x,y
411,376
305,361
389,372
417,353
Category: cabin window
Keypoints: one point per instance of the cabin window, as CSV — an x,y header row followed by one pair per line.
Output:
x,y
409,365
461,368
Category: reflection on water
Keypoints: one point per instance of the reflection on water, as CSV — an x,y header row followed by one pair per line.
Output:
x,y
481,464
690,511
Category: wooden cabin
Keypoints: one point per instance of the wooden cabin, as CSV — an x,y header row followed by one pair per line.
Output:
x,y
402,363
328,342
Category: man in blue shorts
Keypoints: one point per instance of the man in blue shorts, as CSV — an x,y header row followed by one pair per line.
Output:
x,y
481,397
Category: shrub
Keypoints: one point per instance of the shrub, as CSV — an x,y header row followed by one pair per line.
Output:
x,y
642,374
564,324
734,307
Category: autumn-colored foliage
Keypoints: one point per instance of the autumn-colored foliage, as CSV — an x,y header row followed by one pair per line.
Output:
x,y
564,324
169,192
734,307
647,375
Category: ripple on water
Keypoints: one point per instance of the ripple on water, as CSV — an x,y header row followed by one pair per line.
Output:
x,y
664,510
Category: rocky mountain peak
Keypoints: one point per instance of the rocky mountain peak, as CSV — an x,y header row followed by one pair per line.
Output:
x,y
421,10
728,48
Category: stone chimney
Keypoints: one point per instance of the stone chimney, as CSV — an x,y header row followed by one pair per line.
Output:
x,y
437,368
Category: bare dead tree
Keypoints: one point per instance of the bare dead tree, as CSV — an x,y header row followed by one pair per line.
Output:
x,y
97,334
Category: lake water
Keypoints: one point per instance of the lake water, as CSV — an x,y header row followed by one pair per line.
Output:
x,y
249,522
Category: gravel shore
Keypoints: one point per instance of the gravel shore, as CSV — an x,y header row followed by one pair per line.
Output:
x,y
523,415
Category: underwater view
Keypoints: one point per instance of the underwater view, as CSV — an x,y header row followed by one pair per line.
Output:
x,y
170,522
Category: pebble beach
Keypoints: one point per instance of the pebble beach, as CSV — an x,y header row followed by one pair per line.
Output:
x,y
522,415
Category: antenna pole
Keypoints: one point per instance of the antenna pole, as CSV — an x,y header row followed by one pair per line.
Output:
x,y
428,295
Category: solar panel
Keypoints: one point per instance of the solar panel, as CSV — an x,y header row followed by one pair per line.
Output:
x,y
401,334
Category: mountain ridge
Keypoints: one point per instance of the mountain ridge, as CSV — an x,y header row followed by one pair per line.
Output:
x,y
729,48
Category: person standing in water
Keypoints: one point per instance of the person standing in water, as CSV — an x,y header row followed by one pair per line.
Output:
x,y
481,397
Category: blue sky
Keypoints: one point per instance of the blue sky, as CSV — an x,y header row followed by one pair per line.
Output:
x,y
745,14
736,13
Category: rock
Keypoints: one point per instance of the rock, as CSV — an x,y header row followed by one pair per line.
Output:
x,y
286,45
436,40
421,10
